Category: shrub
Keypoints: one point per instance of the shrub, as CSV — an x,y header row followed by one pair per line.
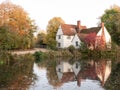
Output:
x,y
71,48
39,56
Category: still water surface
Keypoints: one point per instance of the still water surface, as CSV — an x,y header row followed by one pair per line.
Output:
x,y
61,74
71,75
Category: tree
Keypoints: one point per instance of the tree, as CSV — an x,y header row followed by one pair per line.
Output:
x,y
6,38
19,23
52,28
90,40
41,39
111,18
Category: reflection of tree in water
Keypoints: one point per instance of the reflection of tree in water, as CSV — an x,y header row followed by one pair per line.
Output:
x,y
113,82
18,74
52,75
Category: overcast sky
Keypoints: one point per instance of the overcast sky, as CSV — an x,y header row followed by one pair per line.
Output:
x,y
70,11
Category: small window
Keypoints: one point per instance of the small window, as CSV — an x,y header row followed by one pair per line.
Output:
x,y
59,44
76,43
68,37
59,37
59,70
76,66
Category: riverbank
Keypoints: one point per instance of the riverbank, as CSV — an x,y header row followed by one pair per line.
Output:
x,y
69,53
31,51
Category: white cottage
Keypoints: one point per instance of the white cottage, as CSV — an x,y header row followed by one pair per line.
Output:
x,y
76,34
64,70
67,72
65,34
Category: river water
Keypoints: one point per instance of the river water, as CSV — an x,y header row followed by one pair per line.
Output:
x,y
70,74
61,74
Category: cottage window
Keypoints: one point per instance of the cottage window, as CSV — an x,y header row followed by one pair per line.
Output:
x,y
59,44
76,43
59,37
68,37
59,70
76,66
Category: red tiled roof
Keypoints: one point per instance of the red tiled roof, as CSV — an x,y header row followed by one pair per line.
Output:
x,y
67,77
82,36
91,30
85,32
70,29
89,72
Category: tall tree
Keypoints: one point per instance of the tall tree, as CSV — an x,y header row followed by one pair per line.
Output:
x,y
18,22
52,28
111,18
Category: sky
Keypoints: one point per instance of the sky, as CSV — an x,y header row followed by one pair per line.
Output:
x,y
87,11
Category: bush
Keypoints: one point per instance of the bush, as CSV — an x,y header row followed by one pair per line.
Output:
x,y
71,48
39,56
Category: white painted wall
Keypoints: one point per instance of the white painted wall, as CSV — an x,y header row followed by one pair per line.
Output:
x,y
59,32
76,70
65,42
107,37
76,38
106,73
64,67
59,73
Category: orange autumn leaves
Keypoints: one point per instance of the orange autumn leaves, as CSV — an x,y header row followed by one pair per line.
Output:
x,y
20,27
15,18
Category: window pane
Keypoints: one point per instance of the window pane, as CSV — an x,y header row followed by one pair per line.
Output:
x,y
76,43
59,37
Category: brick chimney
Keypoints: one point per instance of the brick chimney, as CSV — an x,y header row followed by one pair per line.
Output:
x,y
78,24
103,43
102,25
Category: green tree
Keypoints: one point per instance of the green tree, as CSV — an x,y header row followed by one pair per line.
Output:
x,y
41,39
111,18
52,28
19,23
6,39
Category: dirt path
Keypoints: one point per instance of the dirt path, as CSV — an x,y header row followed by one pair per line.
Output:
x,y
29,51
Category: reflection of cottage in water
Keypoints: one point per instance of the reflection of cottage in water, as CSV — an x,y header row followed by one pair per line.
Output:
x,y
103,70
66,72
93,70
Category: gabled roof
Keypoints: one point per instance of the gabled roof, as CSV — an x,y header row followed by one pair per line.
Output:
x,y
90,30
67,77
82,36
69,29
85,32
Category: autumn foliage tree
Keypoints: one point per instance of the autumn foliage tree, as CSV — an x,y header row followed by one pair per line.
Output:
x,y
52,28
19,24
111,18
90,40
